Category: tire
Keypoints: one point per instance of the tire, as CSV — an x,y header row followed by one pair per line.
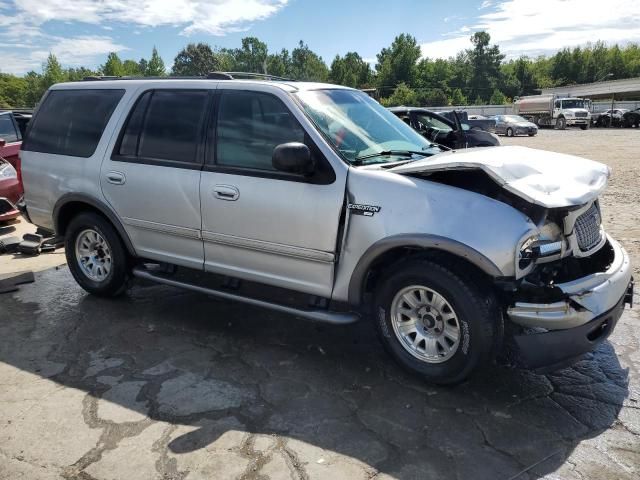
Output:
x,y
532,134
561,123
475,320
92,234
509,132
584,127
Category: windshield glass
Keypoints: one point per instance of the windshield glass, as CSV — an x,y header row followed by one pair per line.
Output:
x,y
358,126
515,118
573,103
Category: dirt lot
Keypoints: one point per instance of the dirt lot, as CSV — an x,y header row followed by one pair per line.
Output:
x,y
172,385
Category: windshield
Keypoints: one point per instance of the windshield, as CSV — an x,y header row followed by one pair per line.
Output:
x,y
358,126
515,118
573,103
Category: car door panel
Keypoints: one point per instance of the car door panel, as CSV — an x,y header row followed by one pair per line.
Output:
x,y
277,231
153,179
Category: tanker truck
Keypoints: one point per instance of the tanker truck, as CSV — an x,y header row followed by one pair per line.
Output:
x,y
554,111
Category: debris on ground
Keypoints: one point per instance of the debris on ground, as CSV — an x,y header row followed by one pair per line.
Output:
x,y
12,281
31,244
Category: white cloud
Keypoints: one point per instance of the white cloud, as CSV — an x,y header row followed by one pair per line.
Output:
x,y
215,17
24,21
533,27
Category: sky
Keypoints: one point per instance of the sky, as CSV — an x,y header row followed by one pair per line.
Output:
x,y
83,32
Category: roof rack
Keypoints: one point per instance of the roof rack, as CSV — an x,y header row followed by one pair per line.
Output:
x,y
209,76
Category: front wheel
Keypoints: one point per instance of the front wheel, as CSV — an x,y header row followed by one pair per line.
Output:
x,y
433,322
96,256
584,127
561,123
509,132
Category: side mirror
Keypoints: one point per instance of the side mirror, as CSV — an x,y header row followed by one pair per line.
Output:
x,y
3,142
293,157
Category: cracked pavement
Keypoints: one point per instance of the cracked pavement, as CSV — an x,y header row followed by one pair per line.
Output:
x,y
174,385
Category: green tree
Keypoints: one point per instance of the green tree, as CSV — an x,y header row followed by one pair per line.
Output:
x,y
279,64
196,59
155,67
131,68
497,98
351,71
52,72
402,95
485,63
13,91
307,65
458,98
397,63
113,66
251,56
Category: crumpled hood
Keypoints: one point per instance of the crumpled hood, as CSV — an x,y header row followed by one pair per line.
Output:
x,y
549,179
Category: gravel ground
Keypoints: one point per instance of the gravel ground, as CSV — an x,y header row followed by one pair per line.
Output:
x,y
166,384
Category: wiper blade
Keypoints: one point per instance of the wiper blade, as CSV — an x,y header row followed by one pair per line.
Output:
x,y
387,153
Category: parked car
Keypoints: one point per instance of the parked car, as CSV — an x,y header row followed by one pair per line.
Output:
x,y
610,118
512,125
631,118
440,130
316,201
10,174
473,121
10,192
12,135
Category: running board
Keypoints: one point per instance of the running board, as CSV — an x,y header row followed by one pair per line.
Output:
x,y
325,316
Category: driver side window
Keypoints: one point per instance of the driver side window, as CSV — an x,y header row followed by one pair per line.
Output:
x,y
250,126
557,104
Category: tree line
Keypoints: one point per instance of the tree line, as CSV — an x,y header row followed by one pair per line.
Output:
x,y
401,76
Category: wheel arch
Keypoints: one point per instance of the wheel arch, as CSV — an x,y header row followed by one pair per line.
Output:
x,y
70,205
387,251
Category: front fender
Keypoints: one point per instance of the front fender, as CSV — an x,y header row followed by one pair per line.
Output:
x,y
415,212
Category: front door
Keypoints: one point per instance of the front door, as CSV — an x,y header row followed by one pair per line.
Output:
x,y
260,224
152,179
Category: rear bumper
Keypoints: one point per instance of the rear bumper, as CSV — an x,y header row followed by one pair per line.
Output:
x,y
557,349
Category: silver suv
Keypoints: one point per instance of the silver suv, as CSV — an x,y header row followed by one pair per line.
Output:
x,y
314,200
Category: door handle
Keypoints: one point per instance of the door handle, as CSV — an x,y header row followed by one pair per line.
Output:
x,y
226,192
116,178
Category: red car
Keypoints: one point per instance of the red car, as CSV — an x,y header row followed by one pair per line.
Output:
x,y
11,191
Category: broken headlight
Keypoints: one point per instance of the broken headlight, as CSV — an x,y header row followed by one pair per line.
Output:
x,y
545,244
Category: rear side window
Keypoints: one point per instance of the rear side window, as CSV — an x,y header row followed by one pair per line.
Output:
x,y
165,125
250,126
8,131
71,122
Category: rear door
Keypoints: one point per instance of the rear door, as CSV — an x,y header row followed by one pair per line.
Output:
x,y
260,224
152,178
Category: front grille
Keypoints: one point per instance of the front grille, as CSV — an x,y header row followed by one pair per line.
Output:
x,y
581,114
587,228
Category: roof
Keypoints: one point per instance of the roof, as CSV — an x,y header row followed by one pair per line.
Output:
x,y
160,82
628,87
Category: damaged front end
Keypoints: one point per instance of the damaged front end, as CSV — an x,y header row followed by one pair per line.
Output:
x,y
570,280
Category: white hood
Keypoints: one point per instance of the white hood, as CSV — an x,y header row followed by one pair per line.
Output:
x,y
549,179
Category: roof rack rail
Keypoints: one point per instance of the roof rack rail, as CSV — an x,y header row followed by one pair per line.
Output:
x,y
209,76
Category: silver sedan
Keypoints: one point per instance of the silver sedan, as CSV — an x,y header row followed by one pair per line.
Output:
x,y
511,125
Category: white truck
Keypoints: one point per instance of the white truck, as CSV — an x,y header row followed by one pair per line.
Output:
x,y
553,110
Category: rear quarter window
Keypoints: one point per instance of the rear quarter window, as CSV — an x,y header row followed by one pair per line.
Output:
x,y
71,122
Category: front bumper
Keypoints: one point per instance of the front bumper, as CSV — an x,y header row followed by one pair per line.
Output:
x,y
578,121
585,298
552,350
556,334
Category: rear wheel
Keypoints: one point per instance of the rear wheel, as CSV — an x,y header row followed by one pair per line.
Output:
x,y
509,132
433,322
96,256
